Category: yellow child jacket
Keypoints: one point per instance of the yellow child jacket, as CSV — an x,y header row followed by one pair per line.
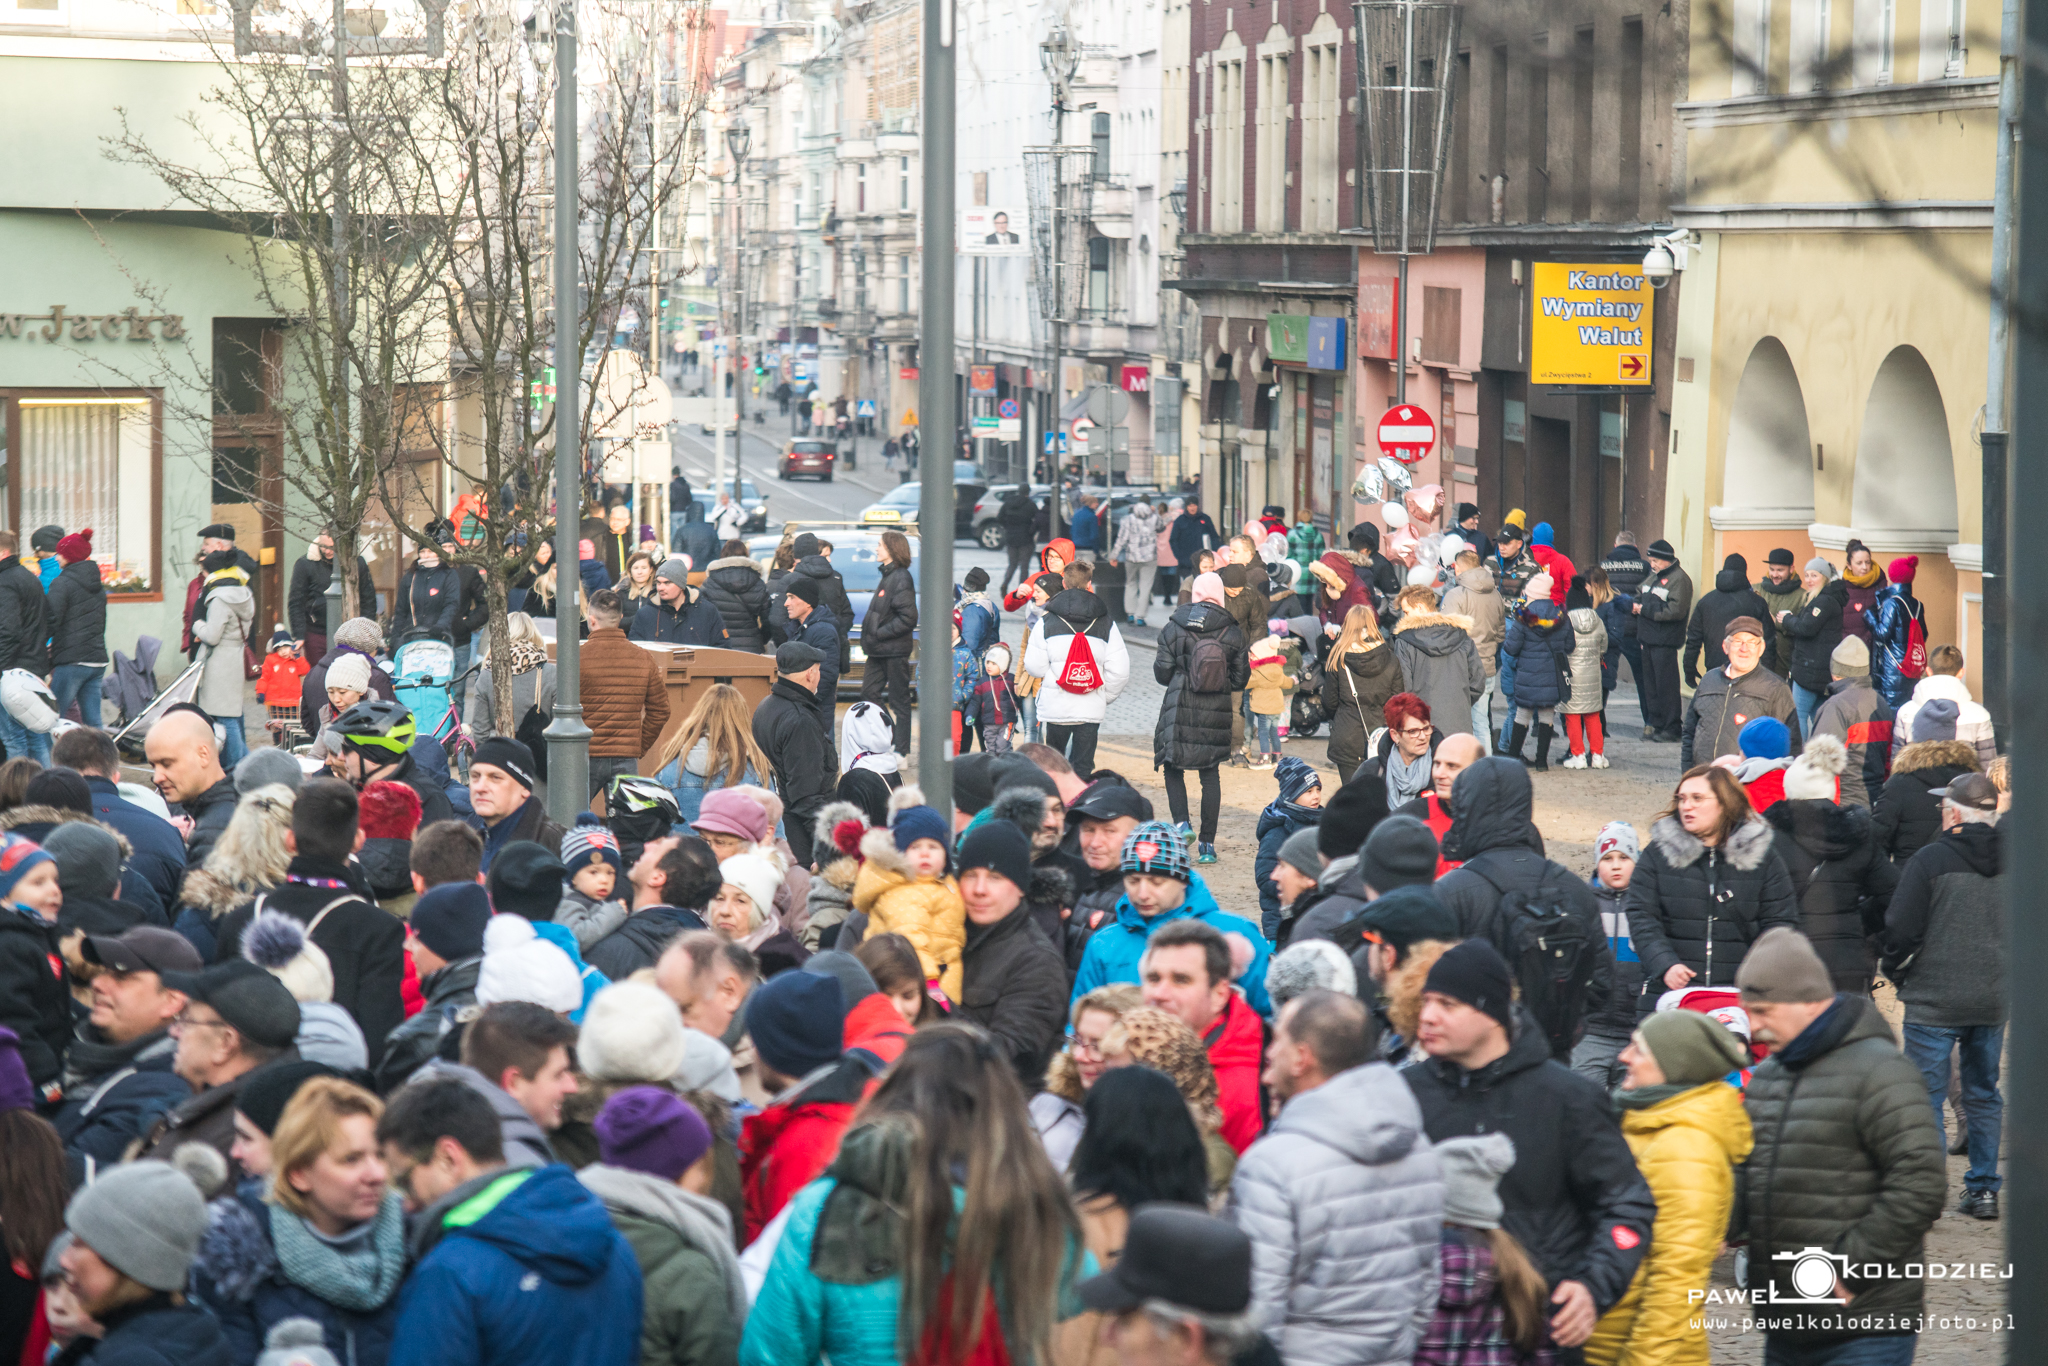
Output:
x,y
926,911
1687,1148
1269,684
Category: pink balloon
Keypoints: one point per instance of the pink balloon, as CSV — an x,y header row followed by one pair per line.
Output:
x,y
1424,502
1400,547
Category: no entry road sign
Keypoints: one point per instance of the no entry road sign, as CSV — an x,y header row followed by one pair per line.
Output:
x,y
1407,433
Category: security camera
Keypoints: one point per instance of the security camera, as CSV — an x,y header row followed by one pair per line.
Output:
x,y
1657,264
1667,255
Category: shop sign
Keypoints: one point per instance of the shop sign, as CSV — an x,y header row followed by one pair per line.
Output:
x,y
1376,308
131,323
1136,379
981,379
1326,343
1589,325
1287,337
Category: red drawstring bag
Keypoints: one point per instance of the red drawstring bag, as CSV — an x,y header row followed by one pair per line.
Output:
x,y
1080,673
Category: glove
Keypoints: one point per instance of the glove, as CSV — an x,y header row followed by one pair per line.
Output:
x,y
1692,678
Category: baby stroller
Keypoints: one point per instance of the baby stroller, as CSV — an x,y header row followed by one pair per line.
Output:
x,y
423,676
132,688
1305,708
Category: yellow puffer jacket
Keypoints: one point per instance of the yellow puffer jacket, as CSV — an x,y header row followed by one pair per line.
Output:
x,y
1687,1148
927,912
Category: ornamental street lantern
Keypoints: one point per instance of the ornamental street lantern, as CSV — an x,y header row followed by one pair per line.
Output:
x,y
1407,62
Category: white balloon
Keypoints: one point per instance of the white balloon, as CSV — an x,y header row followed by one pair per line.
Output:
x,y
1450,548
1421,576
1429,550
1394,515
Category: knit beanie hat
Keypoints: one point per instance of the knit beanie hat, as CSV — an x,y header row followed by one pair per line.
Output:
x,y
63,788
759,876
1474,972
1401,851
804,546
729,811
1813,775
1766,737
525,879
16,1092
1001,848
144,1219
796,1020
17,857
916,823
1691,1048
1472,1166
1616,837
1541,534
1349,815
1936,720
1156,847
277,943
1851,659
360,633
272,765
1298,851
296,1341
450,920
973,783
647,1129
631,1032
1539,587
75,547
1310,965
1782,968
1903,569
584,844
856,983
265,1092
351,672
1295,777
1821,565
804,589
521,966
676,569
502,751
88,856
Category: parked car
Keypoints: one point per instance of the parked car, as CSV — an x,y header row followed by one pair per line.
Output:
x,y
982,524
899,506
808,455
856,554
751,499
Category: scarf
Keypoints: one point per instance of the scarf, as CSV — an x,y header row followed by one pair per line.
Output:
x,y
360,1277
1643,1097
91,1056
1871,579
525,658
1406,778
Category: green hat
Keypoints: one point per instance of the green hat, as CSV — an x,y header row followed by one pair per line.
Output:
x,y
1692,1049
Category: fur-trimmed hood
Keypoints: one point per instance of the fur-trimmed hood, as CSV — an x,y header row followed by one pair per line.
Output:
x,y
57,815
1415,621
737,562
1403,987
1935,754
878,847
1746,849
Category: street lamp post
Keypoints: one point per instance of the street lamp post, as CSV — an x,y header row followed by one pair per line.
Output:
x,y
936,411
739,139
1060,57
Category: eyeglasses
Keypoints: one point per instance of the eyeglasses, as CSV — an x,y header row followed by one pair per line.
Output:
x,y
1092,1047
183,1021
1413,731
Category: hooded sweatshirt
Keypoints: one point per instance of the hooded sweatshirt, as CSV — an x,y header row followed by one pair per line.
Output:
x,y
1474,596
1440,664
1115,949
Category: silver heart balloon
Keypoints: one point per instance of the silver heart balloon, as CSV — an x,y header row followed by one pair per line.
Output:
x,y
1399,479
1370,486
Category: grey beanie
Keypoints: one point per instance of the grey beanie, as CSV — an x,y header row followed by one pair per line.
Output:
x,y
856,984
261,767
297,1341
88,857
144,1220
1936,720
1820,565
1298,852
1401,851
676,569
1472,1167
1311,965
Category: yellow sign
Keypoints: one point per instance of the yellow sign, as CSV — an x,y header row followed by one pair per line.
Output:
x,y
909,417
1589,325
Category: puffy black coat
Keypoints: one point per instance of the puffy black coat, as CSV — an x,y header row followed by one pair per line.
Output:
x,y
77,612
210,811
886,631
1907,815
735,586
34,998
428,599
1574,1198
1722,706
113,1093
1847,1158
1945,931
639,942
1019,518
1662,622
788,729
1732,597
306,604
1014,983
1193,730
1626,569
24,632
153,1332
412,1044
832,594
1355,695
1704,907
1540,637
1616,1014
1843,880
1816,629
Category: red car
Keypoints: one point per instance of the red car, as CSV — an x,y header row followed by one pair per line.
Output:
x,y
808,455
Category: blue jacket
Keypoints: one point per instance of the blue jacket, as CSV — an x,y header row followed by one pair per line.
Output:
x,y
527,1271
103,1114
1276,823
1083,528
966,672
1539,640
981,623
155,1332
1114,950
593,575
159,851
565,939
1897,608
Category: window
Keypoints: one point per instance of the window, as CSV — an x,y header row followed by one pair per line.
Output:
x,y
903,182
1228,151
1098,275
860,188
1319,130
1753,47
903,284
88,460
1887,36
1958,55
1098,138
1270,212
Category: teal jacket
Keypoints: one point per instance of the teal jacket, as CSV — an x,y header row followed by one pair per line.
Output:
x,y
1114,950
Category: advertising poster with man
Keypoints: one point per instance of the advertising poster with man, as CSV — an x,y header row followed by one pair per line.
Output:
x,y
989,231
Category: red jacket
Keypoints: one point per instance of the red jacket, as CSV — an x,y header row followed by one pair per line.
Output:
x,y
1237,1047
1438,819
875,1027
788,1145
1557,566
1767,791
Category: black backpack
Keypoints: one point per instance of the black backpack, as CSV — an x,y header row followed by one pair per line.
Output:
x,y
1209,666
1553,950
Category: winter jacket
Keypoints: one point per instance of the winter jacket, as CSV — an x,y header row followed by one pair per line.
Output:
x,y
1589,645
24,621
1815,629
1355,696
1193,730
1843,880
625,701
230,609
410,1045
1541,641
1890,629
790,1142
1617,1014
1686,1148
1191,534
1278,821
1944,931
1305,544
1858,715
520,1268
1722,706
1440,664
1907,816
1859,602
1137,540
1470,1324
1335,587
1704,907
1512,576
992,703
76,610
831,595
1071,612
891,621
1732,597
534,688
639,942
700,538
1341,1202
525,1142
1574,1198
696,1302
1475,598
1015,982
112,1094
427,600
1786,597
1848,1158
529,822
306,603
738,589
926,911
1084,528
693,620
823,632
237,1276
799,748
207,1117
1115,949
152,1332
35,995
1626,568
1973,722
159,851
1018,516
981,622
1617,615
1666,601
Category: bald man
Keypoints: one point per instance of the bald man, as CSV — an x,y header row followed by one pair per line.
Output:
x,y
1454,754
184,762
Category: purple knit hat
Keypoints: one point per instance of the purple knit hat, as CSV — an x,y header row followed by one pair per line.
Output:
x,y
16,1093
647,1129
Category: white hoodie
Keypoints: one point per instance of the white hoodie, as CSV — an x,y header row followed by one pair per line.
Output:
x,y
1973,723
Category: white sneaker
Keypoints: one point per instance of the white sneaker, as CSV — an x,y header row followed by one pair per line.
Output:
x,y
1600,761
1575,761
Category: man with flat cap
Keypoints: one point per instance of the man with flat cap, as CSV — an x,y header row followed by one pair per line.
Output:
x,y
809,620
1181,1293
798,742
237,1018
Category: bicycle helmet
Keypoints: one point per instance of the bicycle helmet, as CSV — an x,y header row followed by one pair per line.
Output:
x,y
380,729
629,794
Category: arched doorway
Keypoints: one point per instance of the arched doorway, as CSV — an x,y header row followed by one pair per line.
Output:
x,y
1769,465
1905,469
